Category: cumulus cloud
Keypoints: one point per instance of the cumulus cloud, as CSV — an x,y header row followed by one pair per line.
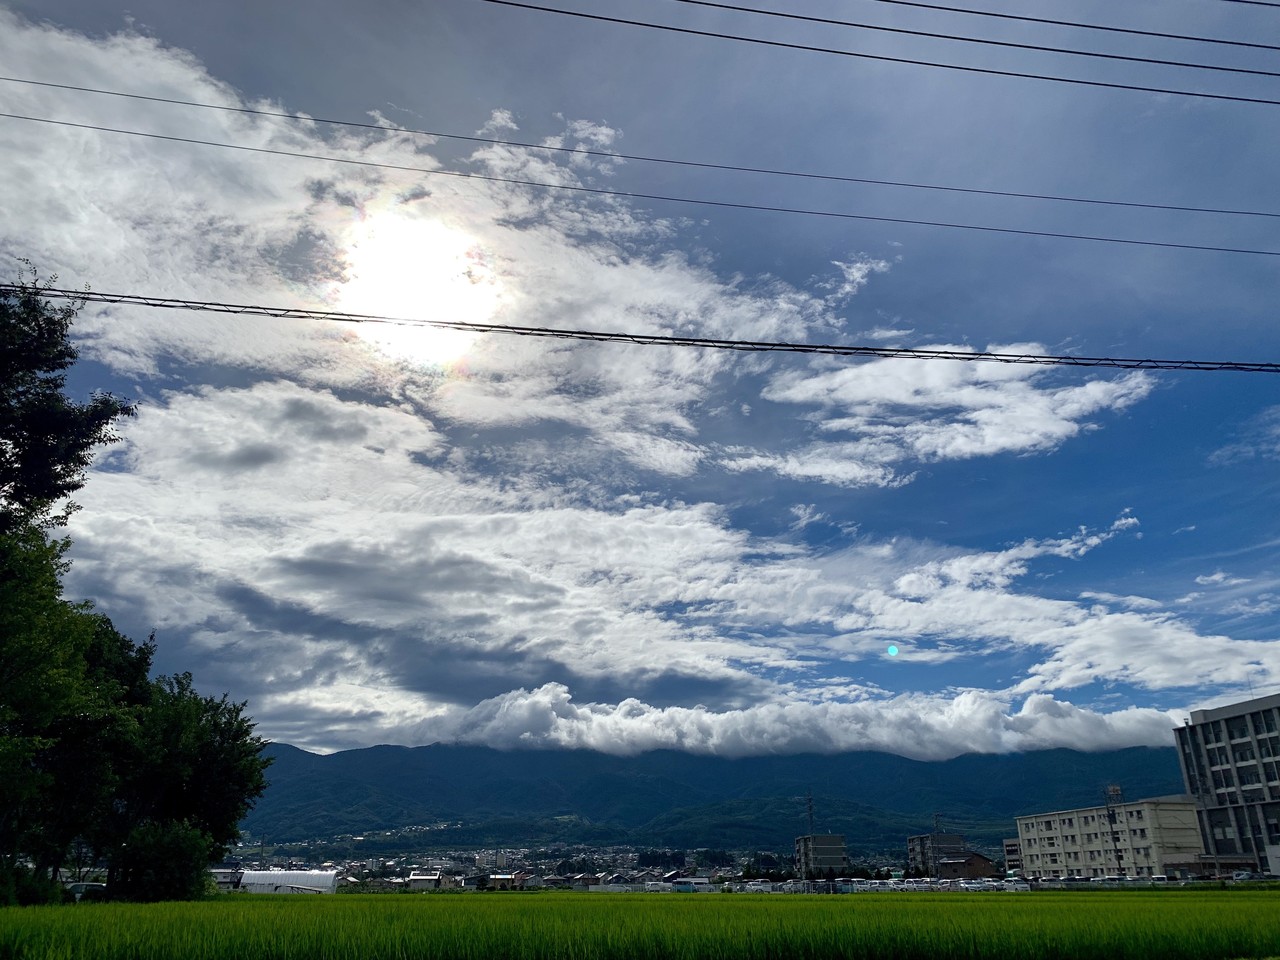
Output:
x,y
917,726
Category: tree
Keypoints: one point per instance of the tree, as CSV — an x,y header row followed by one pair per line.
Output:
x,y
46,439
193,767
42,686
94,754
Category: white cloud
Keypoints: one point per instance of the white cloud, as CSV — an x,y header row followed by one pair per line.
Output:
x,y
1219,579
805,514
1132,602
899,411
1258,438
500,121
886,333
853,276
917,726
372,539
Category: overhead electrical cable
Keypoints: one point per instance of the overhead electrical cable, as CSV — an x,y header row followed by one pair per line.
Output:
x,y
990,71
647,339
610,155
1077,24
630,195
986,41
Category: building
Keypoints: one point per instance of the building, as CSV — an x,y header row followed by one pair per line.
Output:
x,y
289,881
819,854
1012,856
1136,838
926,850
1230,760
965,866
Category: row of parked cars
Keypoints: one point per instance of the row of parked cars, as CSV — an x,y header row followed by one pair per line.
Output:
x,y
906,886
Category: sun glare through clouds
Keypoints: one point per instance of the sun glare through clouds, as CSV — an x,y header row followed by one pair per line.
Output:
x,y
417,269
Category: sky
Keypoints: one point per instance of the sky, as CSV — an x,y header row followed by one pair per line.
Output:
x,y
393,533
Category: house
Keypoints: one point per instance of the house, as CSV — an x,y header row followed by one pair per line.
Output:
x,y
429,881
966,866
925,850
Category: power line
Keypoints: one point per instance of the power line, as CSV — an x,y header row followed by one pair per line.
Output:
x,y
887,59
629,195
1077,24
986,41
646,339
606,154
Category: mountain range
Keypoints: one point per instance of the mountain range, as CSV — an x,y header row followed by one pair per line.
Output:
x,y
477,796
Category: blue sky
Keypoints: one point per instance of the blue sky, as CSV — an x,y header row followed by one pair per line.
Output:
x,y
387,534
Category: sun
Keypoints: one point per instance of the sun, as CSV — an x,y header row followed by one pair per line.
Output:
x,y
417,269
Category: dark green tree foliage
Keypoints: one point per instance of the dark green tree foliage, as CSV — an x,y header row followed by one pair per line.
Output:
x,y
162,861
46,439
192,768
42,644
94,754
147,774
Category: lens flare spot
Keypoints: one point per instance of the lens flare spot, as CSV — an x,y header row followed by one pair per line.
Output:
x,y
893,651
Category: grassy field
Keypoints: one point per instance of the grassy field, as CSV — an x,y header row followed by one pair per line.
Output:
x,y
1169,925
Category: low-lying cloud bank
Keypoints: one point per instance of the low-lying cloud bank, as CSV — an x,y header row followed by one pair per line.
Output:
x,y
922,727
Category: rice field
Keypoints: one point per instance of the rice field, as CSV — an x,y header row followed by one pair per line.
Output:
x,y
1121,925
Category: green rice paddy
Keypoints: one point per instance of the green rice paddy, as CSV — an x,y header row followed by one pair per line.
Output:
x,y
1122,925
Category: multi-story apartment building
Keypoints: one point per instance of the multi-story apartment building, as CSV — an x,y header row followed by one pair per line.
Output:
x,y
926,850
1013,855
819,853
1138,838
1230,760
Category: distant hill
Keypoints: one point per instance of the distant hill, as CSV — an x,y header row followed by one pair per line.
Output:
x,y
666,798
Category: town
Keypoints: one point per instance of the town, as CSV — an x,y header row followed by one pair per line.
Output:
x,y
1225,826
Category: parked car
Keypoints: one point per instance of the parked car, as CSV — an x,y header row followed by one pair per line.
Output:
x,y
87,891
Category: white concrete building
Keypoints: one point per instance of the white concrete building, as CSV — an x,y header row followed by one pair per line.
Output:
x,y
1230,760
1138,838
